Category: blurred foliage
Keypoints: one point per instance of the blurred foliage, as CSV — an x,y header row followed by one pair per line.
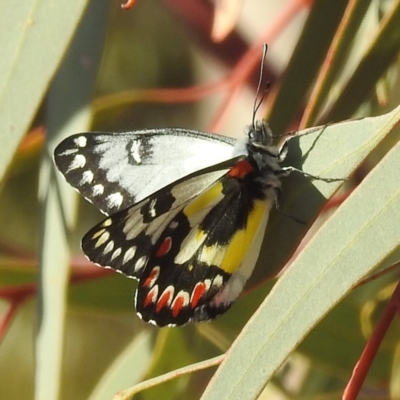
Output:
x,y
344,64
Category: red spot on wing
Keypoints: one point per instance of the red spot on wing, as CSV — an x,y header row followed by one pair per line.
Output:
x,y
240,169
164,299
179,302
197,293
165,247
151,297
152,278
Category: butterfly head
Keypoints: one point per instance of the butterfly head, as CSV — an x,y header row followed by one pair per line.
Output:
x,y
259,147
259,134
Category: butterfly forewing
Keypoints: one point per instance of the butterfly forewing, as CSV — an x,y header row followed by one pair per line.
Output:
x,y
114,171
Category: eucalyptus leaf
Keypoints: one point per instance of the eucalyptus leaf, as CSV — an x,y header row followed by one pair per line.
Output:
x,y
358,238
35,35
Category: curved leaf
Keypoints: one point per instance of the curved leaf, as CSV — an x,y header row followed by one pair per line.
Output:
x,y
360,236
34,37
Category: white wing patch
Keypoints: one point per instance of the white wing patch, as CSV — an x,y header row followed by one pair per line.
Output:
x,y
102,239
169,158
152,208
129,254
98,189
189,246
78,161
140,263
135,151
109,247
135,164
114,200
117,253
87,177
80,141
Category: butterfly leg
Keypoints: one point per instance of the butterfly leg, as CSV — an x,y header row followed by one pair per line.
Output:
x,y
299,221
283,150
285,171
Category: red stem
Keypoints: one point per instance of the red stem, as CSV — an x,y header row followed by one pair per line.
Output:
x,y
251,59
17,295
364,363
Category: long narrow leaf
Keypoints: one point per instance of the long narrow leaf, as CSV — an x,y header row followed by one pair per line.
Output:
x,y
66,114
34,37
359,237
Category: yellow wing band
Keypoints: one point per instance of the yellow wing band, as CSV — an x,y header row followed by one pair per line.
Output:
x,y
242,239
205,201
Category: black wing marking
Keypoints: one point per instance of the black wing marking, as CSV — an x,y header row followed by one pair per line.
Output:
x,y
115,170
125,239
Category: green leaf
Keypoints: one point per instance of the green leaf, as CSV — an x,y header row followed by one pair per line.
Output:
x,y
66,113
381,53
128,369
289,96
338,340
331,151
358,238
33,39
171,352
336,59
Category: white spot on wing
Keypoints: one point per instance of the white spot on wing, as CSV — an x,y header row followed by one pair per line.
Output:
x,y
173,224
140,263
115,200
87,177
212,255
218,281
116,253
102,239
98,233
107,222
129,254
135,151
97,190
109,247
80,141
79,161
152,210
189,246
68,152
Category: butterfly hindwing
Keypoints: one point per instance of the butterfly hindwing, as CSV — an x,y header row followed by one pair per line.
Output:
x,y
124,240
114,171
203,258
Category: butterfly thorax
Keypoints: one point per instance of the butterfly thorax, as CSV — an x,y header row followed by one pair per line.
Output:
x,y
263,159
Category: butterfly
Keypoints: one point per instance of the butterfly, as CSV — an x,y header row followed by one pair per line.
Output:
x,y
186,212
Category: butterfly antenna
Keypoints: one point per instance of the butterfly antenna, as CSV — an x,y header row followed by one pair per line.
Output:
x,y
257,101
